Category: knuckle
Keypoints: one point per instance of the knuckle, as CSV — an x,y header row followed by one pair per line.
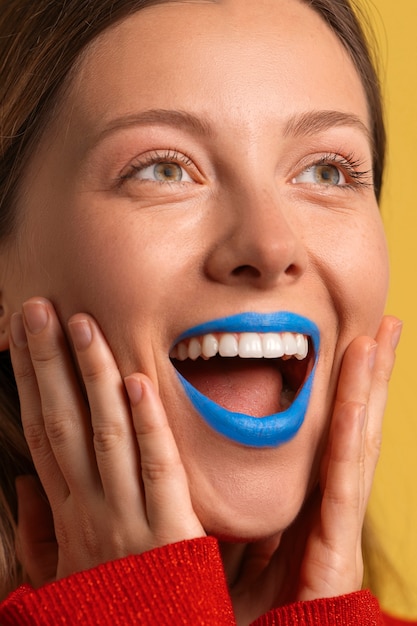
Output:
x,y
153,472
23,371
57,426
45,355
346,500
156,472
34,435
94,374
107,438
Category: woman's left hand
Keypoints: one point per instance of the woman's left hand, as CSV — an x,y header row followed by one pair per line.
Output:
x,y
320,555
332,563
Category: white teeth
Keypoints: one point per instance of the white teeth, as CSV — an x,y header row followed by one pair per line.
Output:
x,y
194,348
290,344
273,346
302,347
210,346
182,351
228,345
250,346
244,345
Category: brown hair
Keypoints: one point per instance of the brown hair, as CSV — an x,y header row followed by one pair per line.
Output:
x,y
39,46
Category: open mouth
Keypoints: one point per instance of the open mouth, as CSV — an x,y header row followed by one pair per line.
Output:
x,y
250,375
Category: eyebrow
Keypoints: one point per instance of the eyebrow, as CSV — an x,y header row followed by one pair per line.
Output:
x,y
164,117
300,124
315,122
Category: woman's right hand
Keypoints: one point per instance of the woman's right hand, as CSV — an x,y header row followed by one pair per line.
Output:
x,y
107,459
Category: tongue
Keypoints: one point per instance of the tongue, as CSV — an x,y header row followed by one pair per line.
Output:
x,y
250,386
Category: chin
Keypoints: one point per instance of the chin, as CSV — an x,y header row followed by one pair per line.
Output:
x,y
252,518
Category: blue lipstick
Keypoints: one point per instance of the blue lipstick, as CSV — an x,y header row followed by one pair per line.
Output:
x,y
272,430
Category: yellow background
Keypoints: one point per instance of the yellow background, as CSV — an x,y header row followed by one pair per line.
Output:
x,y
394,500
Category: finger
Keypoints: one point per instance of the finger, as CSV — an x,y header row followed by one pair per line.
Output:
x,y
36,544
332,563
356,431
356,372
387,338
168,502
31,406
342,504
115,444
63,415
354,382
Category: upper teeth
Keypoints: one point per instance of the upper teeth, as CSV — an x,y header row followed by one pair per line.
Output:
x,y
244,345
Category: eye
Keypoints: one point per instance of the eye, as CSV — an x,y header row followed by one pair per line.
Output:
x,y
166,166
162,172
321,174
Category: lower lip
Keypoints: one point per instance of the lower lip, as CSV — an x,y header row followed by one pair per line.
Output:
x,y
272,430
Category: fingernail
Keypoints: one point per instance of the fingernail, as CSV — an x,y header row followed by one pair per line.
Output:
x,y
134,389
372,355
81,333
36,316
17,330
396,334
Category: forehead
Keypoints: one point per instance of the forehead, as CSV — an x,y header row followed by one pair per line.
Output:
x,y
233,56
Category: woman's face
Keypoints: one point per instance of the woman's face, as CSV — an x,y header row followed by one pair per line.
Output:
x,y
212,159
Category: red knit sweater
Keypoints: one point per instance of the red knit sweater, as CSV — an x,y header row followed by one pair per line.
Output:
x,y
178,584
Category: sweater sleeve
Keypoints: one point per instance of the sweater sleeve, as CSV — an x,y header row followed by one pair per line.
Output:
x,y
355,609
390,620
178,584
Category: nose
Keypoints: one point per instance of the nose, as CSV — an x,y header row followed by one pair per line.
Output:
x,y
257,243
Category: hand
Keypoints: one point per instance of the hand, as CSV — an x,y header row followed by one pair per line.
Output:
x,y
110,469
320,555
332,563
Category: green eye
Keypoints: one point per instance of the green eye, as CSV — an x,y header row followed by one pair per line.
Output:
x,y
327,174
163,172
167,172
321,174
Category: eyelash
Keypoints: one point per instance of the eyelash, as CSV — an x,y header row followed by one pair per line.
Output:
x,y
170,155
349,166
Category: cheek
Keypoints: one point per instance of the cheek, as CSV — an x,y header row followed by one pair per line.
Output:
x,y
370,290
355,268
97,265
353,271
127,273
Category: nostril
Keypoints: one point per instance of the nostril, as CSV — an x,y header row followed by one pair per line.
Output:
x,y
292,270
252,272
246,270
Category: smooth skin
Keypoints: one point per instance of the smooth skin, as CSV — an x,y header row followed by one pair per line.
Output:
x,y
249,227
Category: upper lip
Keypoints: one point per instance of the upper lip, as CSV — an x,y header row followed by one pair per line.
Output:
x,y
278,322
